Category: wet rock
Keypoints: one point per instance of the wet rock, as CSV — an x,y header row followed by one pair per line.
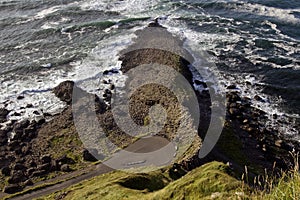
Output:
x,y
112,87
29,105
3,114
198,82
105,82
231,87
16,114
20,97
65,168
36,112
47,114
19,127
12,188
112,71
41,121
258,98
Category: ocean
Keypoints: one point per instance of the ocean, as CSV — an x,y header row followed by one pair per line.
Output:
x,y
254,45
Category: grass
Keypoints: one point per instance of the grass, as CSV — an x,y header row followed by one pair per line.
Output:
x,y
213,180
199,183
287,187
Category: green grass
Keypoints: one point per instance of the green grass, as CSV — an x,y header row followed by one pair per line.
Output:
x,y
213,180
199,183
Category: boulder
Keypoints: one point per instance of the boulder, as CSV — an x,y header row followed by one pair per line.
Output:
x,y
65,168
38,173
12,188
3,114
111,71
30,171
64,91
5,171
46,159
20,97
46,167
19,166
17,177
3,137
64,160
28,182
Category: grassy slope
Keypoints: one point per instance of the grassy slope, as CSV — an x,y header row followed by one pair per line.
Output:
x,y
213,180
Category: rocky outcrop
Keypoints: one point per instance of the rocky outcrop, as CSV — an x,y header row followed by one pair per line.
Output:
x,y
64,91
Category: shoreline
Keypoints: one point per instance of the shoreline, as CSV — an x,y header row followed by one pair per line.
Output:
x,y
244,124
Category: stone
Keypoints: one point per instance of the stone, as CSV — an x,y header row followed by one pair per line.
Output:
x,y
46,159
112,71
65,168
231,87
26,150
65,160
64,91
20,97
30,171
233,111
28,182
258,98
29,105
5,171
12,188
3,114
197,82
278,143
16,177
112,87
46,167
38,173
36,112
19,166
